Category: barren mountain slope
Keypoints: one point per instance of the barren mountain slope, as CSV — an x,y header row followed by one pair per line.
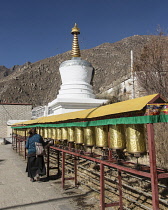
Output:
x,y
38,83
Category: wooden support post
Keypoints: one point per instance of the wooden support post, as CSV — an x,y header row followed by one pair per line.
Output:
x,y
58,163
19,144
75,170
102,200
120,190
63,169
48,161
16,140
25,146
110,154
25,150
153,169
12,139
70,146
14,143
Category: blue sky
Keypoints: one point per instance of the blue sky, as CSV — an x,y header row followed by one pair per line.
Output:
x,y
32,30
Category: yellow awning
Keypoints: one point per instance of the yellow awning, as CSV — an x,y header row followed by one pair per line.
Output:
x,y
116,108
29,122
33,121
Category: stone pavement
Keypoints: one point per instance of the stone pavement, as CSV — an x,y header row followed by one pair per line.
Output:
x,y
17,192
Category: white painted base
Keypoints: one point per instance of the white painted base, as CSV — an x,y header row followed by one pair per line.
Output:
x,y
61,105
76,91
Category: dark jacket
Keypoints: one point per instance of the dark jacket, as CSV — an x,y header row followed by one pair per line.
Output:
x,y
30,143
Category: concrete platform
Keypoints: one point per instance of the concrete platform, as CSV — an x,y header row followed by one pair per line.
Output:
x,y
17,192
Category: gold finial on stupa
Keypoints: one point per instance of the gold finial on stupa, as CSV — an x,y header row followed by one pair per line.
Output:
x,y
75,45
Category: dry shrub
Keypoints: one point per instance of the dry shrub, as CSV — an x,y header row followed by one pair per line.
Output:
x,y
161,144
151,66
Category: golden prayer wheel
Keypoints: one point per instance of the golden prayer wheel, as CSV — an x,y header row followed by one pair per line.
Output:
x,y
54,133
27,132
117,137
64,132
135,139
89,137
59,136
101,133
23,133
79,135
19,132
49,133
41,132
45,133
38,130
71,134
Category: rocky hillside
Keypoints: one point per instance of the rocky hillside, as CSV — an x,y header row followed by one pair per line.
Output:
x,y
38,83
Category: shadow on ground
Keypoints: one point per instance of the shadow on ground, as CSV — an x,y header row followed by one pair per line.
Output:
x,y
77,197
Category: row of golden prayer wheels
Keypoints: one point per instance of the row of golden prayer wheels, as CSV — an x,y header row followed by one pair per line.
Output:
x,y
116,137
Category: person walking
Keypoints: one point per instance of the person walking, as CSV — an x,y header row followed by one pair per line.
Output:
x,y
35,163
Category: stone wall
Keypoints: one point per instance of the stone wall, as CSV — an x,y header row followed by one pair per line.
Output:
x,y
13,112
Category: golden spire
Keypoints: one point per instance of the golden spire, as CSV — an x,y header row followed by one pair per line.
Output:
x,y
75,45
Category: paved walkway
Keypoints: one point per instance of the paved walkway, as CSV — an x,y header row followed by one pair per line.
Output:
x,y
17,192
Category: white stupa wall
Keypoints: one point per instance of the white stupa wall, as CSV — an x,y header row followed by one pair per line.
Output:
x,y
76,70
76,75
75,93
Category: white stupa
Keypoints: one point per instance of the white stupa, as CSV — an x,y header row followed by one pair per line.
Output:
x,y
75,93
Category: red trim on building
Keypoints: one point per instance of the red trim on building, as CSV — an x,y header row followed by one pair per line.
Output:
x,y
13,104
